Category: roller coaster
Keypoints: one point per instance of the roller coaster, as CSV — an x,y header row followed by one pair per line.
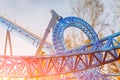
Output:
x,y
81,63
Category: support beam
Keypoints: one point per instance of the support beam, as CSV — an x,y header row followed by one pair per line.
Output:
x,y
31,67
8,41
52,23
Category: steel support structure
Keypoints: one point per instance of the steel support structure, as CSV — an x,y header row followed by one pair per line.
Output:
x,y
53,21
83,58
23,33
58,32
14,66
8,42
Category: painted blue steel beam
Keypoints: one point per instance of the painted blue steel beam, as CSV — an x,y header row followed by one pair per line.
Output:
x,y
60,48
23,33
58,36
106,46
61,63
58,32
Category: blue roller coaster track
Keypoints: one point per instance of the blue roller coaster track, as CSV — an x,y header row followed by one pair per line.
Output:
x,y
83,59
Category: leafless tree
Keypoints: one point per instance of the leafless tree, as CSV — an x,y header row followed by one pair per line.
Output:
x,y
93,12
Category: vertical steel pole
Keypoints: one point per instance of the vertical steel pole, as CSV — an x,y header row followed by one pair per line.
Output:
x,y
8,38
52,23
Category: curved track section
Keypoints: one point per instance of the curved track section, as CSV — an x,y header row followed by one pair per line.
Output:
x,y
58,32
14,66
58,38
31,66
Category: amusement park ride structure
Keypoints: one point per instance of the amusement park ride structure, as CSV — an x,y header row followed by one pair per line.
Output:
x,y
84,60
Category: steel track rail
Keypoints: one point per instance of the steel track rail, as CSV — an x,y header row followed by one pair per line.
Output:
x,y
31,66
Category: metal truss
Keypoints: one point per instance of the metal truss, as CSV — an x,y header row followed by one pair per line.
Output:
x,y
79,60
23,33
14,66
58,32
